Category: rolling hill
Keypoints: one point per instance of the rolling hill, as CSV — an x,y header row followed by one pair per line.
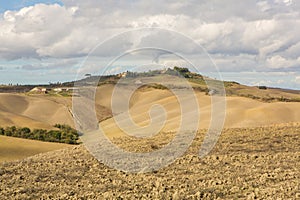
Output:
x,y
245,106
16,148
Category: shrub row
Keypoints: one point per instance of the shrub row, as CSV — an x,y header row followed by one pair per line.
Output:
x,y
270,99
64,134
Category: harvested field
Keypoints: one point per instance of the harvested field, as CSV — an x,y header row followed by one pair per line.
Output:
x,y
246,163
16,148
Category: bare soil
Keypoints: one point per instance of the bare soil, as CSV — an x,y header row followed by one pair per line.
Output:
x,y
246,163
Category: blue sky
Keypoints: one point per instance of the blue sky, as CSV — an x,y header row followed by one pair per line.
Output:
x,y
18,4
252,42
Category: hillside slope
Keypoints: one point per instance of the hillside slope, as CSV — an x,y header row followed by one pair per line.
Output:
x,y
258,163
43,111
240,111
33,111
16,148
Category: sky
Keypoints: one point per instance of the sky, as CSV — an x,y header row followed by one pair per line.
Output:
x,y
251,42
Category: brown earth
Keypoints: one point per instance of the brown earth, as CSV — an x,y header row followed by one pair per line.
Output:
x,y
254,158
246,163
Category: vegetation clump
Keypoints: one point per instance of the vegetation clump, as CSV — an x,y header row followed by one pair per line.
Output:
x,y
262,87
64,134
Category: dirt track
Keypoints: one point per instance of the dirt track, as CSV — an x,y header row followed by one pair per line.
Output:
x,y
253,163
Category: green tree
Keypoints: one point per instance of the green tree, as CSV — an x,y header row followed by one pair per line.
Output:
x,y
10,131
65,134
24,132
1,131
185,72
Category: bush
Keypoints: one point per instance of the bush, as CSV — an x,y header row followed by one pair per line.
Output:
x,y
185,72
10,131
262,87
65,134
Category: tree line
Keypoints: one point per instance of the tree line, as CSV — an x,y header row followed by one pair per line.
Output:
x,y
63,134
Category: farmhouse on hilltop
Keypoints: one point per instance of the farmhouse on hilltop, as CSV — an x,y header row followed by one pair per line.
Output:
x,y
41,90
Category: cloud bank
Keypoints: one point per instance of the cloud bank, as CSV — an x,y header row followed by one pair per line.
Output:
x,y
239,35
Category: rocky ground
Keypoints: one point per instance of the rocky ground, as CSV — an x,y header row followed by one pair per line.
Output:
x,y
257,163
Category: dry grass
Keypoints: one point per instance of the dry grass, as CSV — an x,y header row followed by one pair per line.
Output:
x,y
268,95
16,148
240,111
38,112
44,111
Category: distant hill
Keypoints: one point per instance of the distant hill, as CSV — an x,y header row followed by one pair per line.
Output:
x,y
197,81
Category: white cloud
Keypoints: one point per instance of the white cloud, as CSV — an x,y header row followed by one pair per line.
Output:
x,y
54,64
241,37
293,51
25,33
297,79
278,62
285,2
263,5
280,82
